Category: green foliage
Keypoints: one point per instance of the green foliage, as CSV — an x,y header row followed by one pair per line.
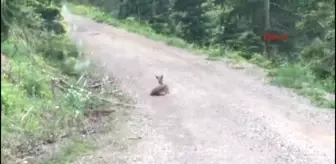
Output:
x,y
301,78
31,14
70,152
36,49
261,61
30,112
12,97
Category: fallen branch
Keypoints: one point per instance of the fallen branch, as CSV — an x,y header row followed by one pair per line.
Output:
x,y
26,114
117,103
80,78
99,84
62,82
96,113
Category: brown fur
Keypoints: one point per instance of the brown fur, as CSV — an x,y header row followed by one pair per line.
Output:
x,y
161,89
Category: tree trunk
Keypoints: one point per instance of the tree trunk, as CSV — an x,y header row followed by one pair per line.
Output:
x,y
267,27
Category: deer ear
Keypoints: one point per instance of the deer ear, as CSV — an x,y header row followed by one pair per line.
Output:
x,y
159,77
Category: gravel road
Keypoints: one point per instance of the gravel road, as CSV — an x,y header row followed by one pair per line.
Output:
x,y
213,115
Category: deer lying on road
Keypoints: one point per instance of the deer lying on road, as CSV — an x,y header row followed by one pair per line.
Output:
x,y
161,89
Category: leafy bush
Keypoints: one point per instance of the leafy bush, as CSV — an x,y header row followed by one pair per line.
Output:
x,y
37,50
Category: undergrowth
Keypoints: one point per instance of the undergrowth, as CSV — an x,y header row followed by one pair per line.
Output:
x,y
33,113
297,75
46,91
74,149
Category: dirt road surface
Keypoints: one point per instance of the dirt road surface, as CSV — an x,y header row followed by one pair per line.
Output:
x,y
214,114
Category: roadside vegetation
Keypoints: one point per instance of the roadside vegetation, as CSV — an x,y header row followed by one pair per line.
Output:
x,y
234,29
48,91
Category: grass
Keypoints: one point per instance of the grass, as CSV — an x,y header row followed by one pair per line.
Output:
x,y
69,153
30,116
295,76
35,112
300,78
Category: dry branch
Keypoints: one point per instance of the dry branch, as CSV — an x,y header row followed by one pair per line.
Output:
x,y
63,85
